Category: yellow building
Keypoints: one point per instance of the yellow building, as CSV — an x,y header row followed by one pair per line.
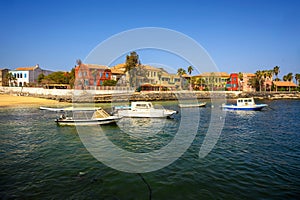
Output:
x,y
213,80
151,75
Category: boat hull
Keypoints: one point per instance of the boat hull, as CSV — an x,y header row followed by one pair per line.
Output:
x,y
192,105
257,107
85,122
155,113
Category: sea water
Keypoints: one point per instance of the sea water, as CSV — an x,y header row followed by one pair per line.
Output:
x,y
257,156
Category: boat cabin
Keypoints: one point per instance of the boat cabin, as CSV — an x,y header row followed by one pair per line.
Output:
x,y
141,105
245,101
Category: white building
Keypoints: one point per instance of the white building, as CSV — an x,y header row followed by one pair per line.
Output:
x,y
27,75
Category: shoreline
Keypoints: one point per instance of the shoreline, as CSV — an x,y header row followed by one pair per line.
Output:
x,y
13,99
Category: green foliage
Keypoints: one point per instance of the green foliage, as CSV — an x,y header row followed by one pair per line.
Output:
x,y
190,69
181,71
40,78
72,78
131,64
110,83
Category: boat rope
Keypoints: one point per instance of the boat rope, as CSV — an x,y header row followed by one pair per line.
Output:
x,y
148,186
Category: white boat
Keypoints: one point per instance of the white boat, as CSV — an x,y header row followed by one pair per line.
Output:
x,y
144,109
99,117
183,105
244,104
69,109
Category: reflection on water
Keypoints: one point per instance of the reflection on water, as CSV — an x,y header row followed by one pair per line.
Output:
x,y
142,127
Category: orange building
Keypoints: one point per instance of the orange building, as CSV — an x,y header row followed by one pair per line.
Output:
x,y
91,75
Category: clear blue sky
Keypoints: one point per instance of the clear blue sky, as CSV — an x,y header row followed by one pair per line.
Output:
x,y
239,35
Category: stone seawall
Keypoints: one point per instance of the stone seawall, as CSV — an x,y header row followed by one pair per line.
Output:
x,y
100,96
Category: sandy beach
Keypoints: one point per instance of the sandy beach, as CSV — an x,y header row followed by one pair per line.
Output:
x,y
8,101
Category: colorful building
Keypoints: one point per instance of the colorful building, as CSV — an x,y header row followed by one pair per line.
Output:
x,y
233,82
247,81
151,76
212,80
91,75
26,76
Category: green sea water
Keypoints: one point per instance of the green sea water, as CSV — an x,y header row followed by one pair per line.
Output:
x,y
256,157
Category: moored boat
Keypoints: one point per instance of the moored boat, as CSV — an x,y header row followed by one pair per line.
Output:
x,y
244,104
144,109
182,105
68,109
99,117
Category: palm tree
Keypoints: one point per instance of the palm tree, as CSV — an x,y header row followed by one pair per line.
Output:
x,y
259,75
10,77
276,71
297,77
267,73
289,76
181,71
240,79
190,69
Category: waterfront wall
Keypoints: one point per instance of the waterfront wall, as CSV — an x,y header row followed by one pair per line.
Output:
x,y
125,94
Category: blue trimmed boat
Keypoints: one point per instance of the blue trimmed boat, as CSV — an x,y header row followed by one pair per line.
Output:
x,y
246,104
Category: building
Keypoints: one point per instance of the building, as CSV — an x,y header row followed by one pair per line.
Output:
x,y
233,82
148,76
91,75
284,85
26,76
3,78
247,82
212,80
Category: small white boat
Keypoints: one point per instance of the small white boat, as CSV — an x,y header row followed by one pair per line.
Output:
x,y
244,104
144,109
99,117
69,109
183,105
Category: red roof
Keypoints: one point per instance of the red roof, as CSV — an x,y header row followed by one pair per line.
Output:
x,y
26,68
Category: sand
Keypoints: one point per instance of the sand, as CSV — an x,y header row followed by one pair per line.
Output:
x,y
8,101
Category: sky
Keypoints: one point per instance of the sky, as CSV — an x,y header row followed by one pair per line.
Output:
x,y
239,35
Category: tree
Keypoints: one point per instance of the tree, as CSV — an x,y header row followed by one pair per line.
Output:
x,y
265,74
190,70
132,62
57,77
289,76
276,71
40,78
241,76
72,78
259,76
11,78
181,71
297,78
110,83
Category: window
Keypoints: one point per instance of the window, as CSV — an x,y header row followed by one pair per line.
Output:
x,y
18,75
101,82
25,75
100,74
154,73
21,75
106,75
